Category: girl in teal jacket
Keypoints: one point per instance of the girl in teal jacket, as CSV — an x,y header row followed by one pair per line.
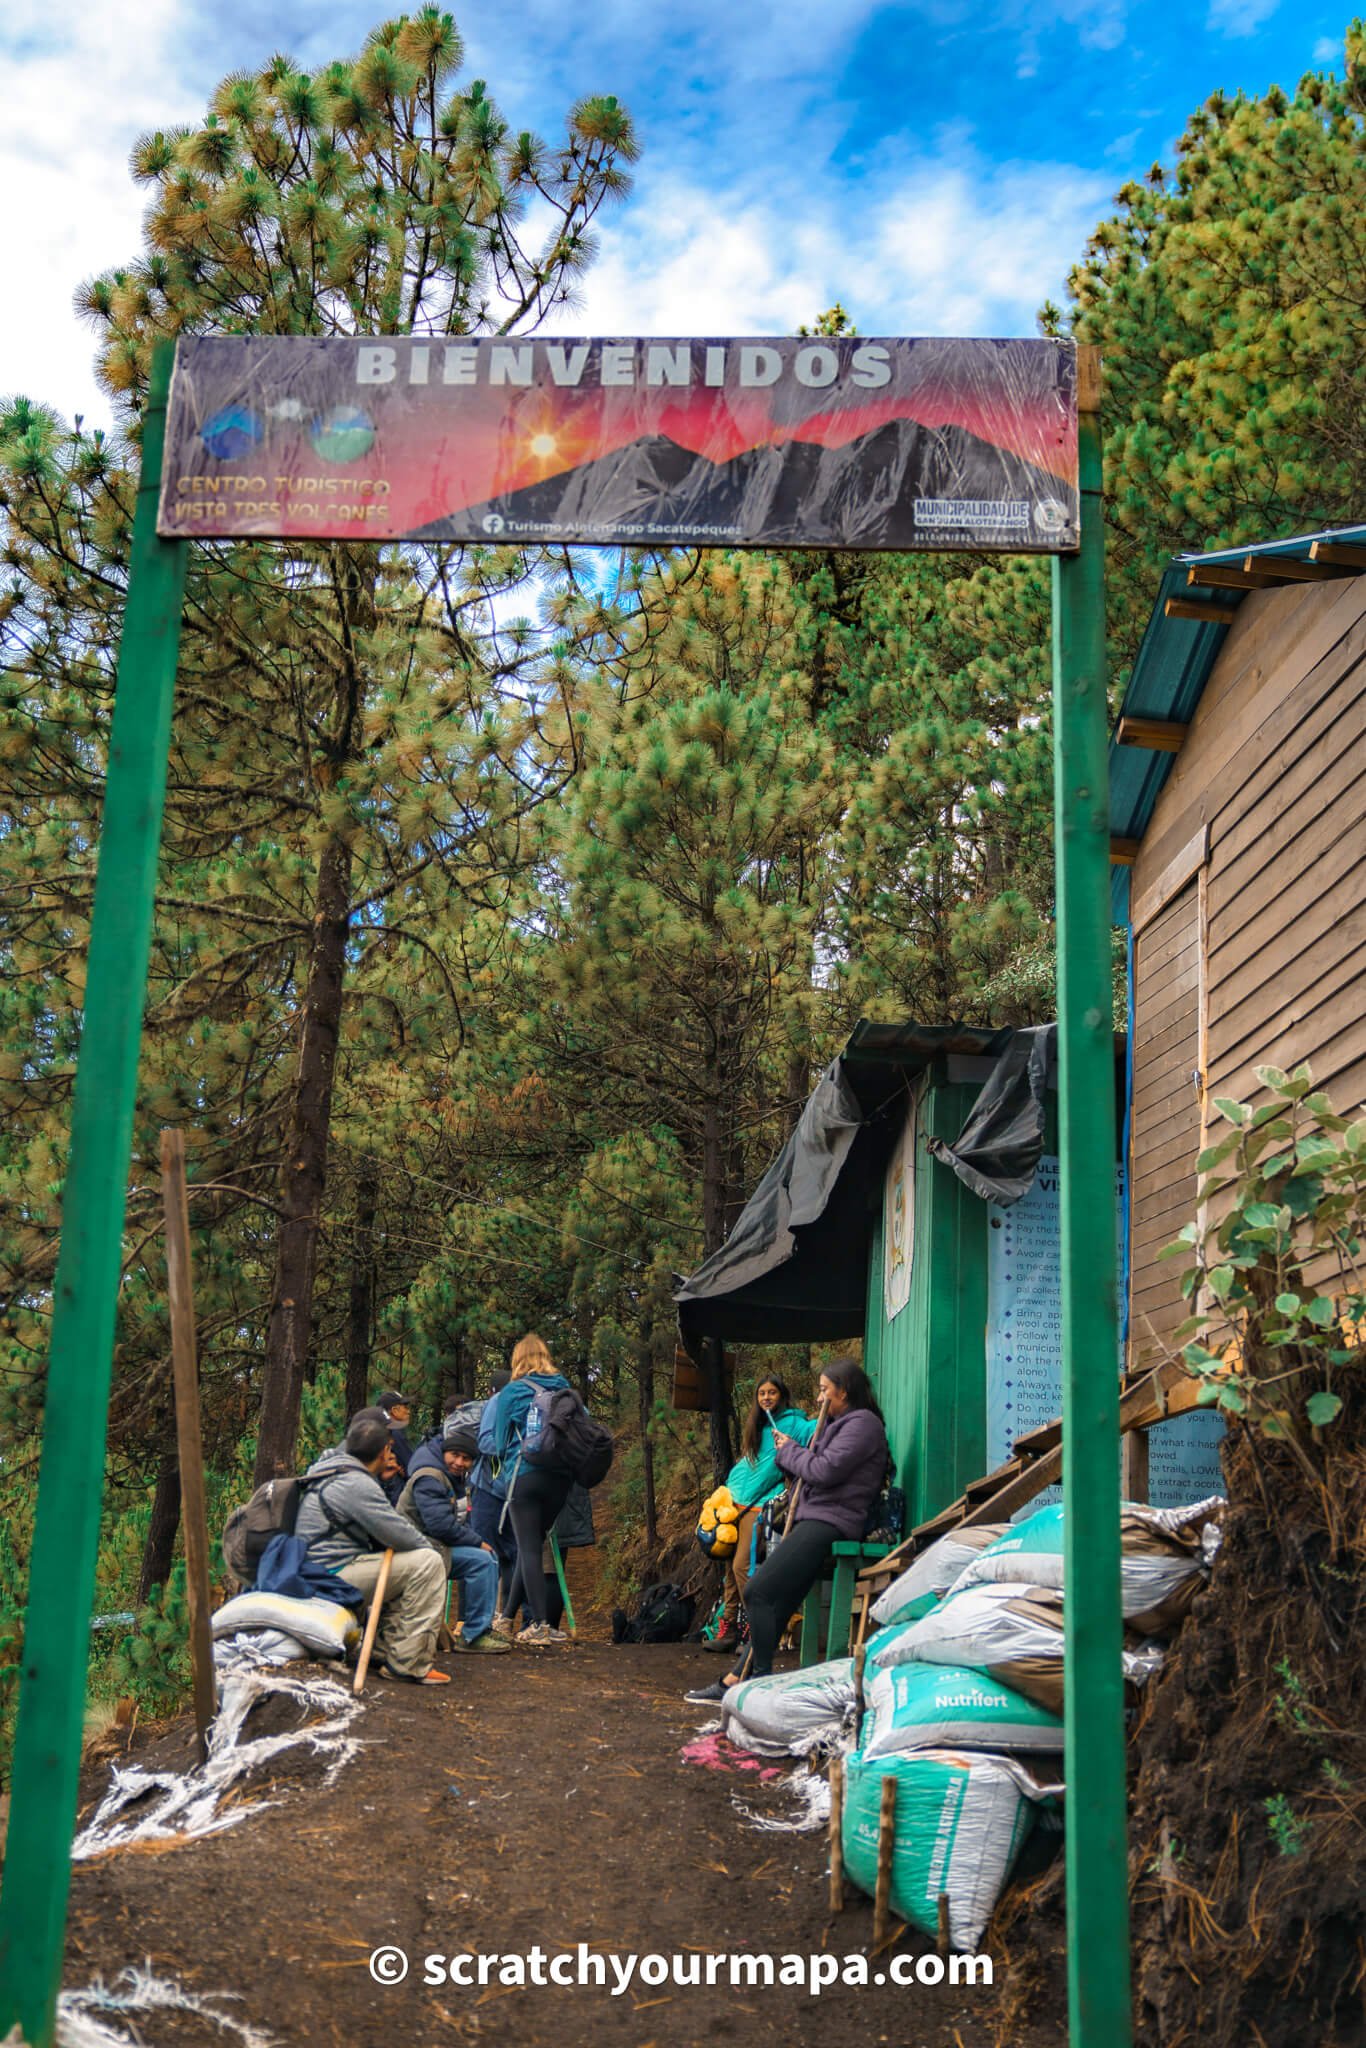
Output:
x,y
753,1479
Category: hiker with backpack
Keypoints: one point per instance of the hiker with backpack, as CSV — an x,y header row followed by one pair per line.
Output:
x,y
754,1480
488,1493
347,1523
546,1439
841,1472
431,1498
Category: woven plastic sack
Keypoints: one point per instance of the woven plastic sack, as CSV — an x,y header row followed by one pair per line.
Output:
x,y
933,1706
784,1715
961,1821
933,1573
324,1628
1013,1633
1162,1559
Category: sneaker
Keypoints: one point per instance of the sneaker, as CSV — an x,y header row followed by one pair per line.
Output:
x,y
534,1632
707,1695
487,1645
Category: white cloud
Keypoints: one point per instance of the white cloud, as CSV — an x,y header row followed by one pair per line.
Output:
x,y
81,85
1239,17
1328,49
955,247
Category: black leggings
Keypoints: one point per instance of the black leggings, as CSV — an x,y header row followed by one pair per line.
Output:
x,y
537,1497
780,1585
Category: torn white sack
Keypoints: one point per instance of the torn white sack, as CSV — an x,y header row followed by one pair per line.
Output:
x,y
180,1805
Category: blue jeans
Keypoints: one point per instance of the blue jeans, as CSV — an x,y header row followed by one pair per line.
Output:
x,y
486,1511
476,1574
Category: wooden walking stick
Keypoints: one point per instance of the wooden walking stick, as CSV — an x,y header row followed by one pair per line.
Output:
x,y
791,1511
372,1621
836,1834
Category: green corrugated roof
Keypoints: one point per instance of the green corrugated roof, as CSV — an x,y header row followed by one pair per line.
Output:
x,y
1168,680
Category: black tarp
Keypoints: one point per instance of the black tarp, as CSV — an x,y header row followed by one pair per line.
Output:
x,y
795,1267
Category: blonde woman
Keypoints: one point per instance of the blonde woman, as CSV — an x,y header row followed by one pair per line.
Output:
x,y
536,1493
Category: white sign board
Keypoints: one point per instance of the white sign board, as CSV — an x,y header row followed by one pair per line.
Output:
x,y
1024,1351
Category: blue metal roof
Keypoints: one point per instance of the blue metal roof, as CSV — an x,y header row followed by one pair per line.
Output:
x,y
1168,680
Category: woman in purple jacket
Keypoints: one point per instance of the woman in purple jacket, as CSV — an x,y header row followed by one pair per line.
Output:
x,y
841,1473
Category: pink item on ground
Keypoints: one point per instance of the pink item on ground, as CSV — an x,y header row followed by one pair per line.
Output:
x,y
714,1753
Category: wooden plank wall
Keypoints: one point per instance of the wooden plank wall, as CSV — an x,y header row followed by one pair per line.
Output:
x,y
1272,772
1166,1107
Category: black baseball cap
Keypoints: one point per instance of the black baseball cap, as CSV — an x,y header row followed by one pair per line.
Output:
x,y
391,1398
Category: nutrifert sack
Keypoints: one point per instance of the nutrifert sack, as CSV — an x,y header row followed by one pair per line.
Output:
x,y
786,1714
933,1573
934,1706
961,1821
1164,1558
1012,1633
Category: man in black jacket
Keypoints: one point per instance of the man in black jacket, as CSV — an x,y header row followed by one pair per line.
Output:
x,y
431,1498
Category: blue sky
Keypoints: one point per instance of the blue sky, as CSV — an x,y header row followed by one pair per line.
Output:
x,y
936,164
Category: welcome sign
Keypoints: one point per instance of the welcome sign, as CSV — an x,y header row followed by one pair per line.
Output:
x,y
843,443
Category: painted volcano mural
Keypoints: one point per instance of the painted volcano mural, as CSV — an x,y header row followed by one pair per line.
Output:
x,y
793,442
901,486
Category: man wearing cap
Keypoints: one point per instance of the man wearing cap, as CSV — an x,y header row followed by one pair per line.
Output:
x,y
397,1409
431,1498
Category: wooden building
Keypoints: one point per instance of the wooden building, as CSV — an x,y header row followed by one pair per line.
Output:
x,y
1238,804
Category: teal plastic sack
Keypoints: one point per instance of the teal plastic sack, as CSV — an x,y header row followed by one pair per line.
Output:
x,y
935,1706
961,1821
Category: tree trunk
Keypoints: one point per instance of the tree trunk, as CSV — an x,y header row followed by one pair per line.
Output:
x,y
304,1173
159,1549
361,1308
713,1237
645,1387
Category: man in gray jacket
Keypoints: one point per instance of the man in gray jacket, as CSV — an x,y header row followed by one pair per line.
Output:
x,y
348,1523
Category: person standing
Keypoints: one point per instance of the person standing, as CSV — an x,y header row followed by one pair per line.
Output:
x,y
536,1493
841,1473
754,1480
488,1492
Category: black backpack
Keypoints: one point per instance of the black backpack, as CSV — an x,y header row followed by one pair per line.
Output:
x,y
272,1511
561,1436
664,1614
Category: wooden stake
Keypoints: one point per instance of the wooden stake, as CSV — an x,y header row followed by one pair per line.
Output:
x,y
942,1944
860,1660
372,1621
886,1840
189,1437
836,1834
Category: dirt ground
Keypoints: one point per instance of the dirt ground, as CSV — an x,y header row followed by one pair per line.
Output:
x,y
539,1800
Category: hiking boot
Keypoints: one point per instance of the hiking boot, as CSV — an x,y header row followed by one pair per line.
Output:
x,y
487,1645
505,1627
707,1695
537,1632
725,1640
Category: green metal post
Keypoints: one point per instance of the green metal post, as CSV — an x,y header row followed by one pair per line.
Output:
x,y
47,1749
1099,2004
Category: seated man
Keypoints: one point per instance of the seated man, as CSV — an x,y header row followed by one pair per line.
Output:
x,y
347,1524
431,1499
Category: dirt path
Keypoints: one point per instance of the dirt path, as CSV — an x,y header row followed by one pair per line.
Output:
x,y
540,1800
